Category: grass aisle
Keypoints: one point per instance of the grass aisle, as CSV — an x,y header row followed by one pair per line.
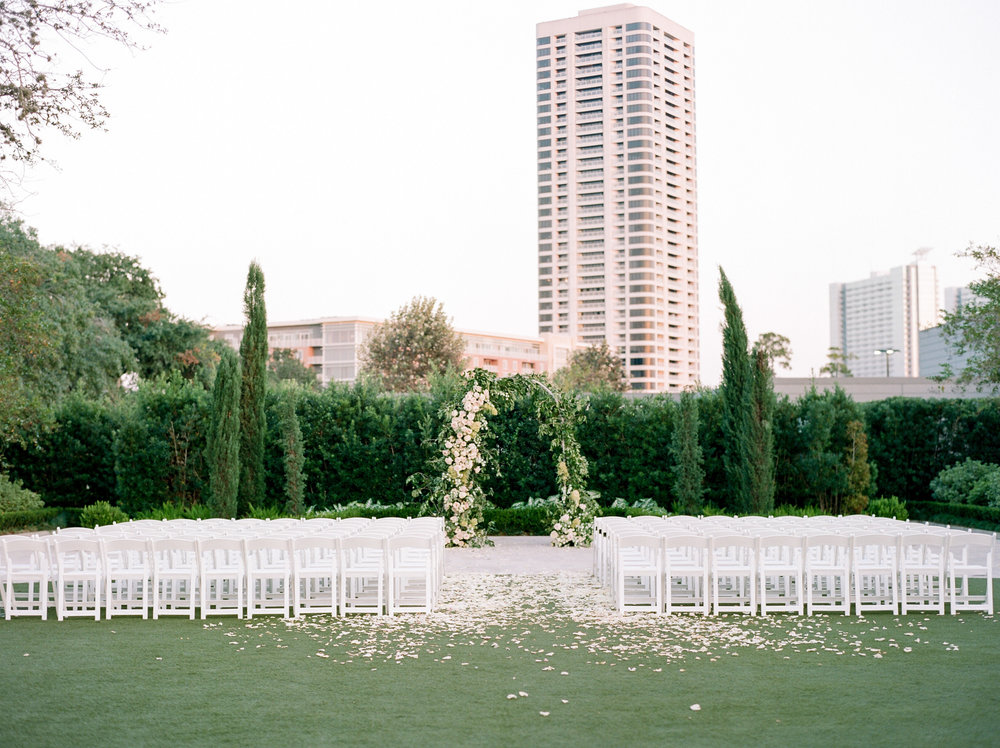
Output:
x,y
507,660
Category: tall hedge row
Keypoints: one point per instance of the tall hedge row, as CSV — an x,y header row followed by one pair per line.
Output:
x,y
148,447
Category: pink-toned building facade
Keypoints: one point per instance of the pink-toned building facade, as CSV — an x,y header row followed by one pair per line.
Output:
x,y
617,190
332,346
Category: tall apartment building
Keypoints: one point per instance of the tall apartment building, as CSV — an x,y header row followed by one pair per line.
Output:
x,y
617,190
884,312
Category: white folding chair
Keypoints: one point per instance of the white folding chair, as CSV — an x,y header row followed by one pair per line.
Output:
x,y
222,576
175,576
734,573
638,564
315,573
875,566
269,575
362,574
827,573
780,568
922,558
78,577
128,577
970,563
27,576
412,573
686,570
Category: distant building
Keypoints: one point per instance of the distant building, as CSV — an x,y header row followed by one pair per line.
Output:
x,y
617,190
935,351
331,346
884,312
867,389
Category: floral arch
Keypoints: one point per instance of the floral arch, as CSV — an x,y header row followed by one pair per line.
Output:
x,y
465,453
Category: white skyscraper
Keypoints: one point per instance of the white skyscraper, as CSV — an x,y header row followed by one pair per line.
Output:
x,y
881,313
617,190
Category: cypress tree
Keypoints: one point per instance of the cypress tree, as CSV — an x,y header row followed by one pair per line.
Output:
x,y
223,450
689,474
253,423
737,405
291,442
762,431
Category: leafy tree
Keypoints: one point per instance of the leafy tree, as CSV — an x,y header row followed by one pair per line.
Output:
x,y
836,365
416,342
592,369
762,463
253,391
294,454
223,449
859,474
284,366
737,401
777,348
688,474
37,93
975,328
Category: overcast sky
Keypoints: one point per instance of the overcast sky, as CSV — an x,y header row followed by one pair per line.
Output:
x,y
365,153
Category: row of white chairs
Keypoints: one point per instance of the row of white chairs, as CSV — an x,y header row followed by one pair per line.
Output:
x,y
662,566
380,566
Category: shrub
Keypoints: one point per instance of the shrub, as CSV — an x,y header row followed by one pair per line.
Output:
x,y
986,492
956,484
101,513
28,519
14,497
170,510
888,507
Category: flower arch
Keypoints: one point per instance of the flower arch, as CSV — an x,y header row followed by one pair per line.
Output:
x,y
465,453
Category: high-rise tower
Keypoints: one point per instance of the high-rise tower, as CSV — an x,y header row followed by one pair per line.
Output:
x,y
617,190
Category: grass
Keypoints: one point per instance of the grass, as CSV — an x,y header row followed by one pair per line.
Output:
x,y
589,676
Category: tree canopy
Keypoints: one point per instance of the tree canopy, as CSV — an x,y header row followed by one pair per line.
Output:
x,y
975,328
776,348
74,321
284,366
836,364
414,344
592,369
39,91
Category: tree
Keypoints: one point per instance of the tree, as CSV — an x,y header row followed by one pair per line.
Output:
x,y
284,366
294,453
223,450
688,469
415,343
737,400
253,420
975,328
37,93
836,365
762,464
777,348
592,369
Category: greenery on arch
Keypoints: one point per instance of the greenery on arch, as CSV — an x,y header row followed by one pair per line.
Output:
x,y
466,451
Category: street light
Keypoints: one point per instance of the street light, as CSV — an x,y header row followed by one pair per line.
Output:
x,y
886,352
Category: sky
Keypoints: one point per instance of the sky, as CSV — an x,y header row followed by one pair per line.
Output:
x,y
366,153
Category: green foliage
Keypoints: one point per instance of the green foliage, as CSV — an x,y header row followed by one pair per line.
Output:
x,y
859,475
963,515
14,497
986,492
159,447
284,366
170,510
415,343
253,392
29,519
101,513
967,482
688,472
737,400
975,328
291,440
776,348
222,452
888,507
762,434
591,369
837,363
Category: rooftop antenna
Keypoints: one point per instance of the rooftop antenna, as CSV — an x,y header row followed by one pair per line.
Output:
x,y
921,254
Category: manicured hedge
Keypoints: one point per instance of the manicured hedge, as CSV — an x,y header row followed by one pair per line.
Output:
x,y
32,518
964,515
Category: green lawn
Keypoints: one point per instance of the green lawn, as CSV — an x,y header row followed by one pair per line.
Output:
x,y
591,677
